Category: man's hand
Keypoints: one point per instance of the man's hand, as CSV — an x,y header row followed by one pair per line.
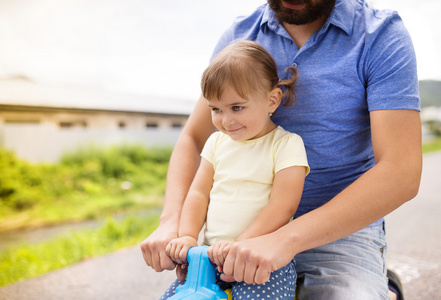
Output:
x,y
253,260
153,249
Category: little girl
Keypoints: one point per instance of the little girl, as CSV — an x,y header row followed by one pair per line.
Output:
x,y
252,172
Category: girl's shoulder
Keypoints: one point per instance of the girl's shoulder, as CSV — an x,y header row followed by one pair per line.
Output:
x,y
281,135
216,139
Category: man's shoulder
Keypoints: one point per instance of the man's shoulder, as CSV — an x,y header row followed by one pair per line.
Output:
x,y
377,20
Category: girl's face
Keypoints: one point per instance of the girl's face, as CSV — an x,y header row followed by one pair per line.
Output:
x,y
244,119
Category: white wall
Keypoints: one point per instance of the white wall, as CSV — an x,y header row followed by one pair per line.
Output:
x,y
39,143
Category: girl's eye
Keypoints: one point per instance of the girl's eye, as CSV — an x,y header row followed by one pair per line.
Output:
x,y
237,108
215,110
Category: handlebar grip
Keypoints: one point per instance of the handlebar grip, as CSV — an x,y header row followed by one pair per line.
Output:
x,y
201,278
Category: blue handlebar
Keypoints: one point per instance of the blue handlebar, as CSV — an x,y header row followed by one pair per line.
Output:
x,y
201,278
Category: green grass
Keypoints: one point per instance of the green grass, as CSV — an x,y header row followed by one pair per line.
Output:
x,y
77,209
85,184
26,261
432,146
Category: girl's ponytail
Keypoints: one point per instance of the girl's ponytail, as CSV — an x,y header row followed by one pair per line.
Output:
x,y
289,95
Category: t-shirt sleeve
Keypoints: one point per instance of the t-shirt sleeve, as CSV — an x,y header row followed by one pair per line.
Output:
x,y
209,147
290,151
391,70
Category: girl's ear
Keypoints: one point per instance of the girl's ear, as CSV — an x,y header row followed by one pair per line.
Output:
x,y
274,99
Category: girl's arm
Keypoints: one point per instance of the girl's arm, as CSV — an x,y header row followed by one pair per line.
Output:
x,y
194,213
285,197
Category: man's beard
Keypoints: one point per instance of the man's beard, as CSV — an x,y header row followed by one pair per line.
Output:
x,y
310,13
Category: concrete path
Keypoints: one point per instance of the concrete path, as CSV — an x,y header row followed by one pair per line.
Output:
x,y
414,236
413,232
117,276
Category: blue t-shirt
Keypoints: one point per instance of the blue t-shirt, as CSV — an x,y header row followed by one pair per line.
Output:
x,y
360,60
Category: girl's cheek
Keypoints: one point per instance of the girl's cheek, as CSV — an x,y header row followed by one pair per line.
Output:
x,y
215,119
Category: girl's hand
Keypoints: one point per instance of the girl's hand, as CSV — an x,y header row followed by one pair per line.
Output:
x,y
177,249
218,252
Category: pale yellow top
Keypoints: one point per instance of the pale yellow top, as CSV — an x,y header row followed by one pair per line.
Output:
x,y
243,178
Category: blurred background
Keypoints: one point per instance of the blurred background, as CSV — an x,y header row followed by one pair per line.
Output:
x,y
93,95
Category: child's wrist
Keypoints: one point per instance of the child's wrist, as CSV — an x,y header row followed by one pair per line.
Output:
x,y
189,238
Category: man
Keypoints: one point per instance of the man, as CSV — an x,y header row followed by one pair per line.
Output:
x,y
357,111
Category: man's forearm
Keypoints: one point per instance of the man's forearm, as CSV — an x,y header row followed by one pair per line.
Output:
x,y
371,197
395,179
252,260
182,168
185,161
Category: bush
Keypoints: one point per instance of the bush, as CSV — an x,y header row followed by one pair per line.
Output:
x,y
20,183
86,183
118,161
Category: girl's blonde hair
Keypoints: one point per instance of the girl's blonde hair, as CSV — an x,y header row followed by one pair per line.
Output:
x,y
248,68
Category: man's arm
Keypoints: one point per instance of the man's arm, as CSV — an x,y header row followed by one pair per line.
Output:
x,y
184,162
395,179
193,215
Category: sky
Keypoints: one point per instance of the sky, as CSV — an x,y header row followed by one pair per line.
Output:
x,y
152,47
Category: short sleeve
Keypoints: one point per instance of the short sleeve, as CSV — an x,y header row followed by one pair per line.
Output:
x,y
290,151
391,68
209,147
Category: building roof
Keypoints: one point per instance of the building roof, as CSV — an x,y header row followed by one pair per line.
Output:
x,y
26,93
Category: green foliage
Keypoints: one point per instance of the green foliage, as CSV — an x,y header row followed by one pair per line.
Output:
x,y
433,145
21,185
85,184
143,168
116,161
28,261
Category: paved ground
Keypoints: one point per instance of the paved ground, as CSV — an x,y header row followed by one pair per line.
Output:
x,y
117,276
414,236
413,231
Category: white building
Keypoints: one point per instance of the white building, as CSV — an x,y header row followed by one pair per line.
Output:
x,y
40,122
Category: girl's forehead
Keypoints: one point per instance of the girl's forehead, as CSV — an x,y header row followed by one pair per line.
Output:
x,y
230,94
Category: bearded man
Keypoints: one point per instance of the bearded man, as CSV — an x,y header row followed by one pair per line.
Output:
x,y
357,111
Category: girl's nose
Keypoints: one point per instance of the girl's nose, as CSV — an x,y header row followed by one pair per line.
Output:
x,y
227,120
